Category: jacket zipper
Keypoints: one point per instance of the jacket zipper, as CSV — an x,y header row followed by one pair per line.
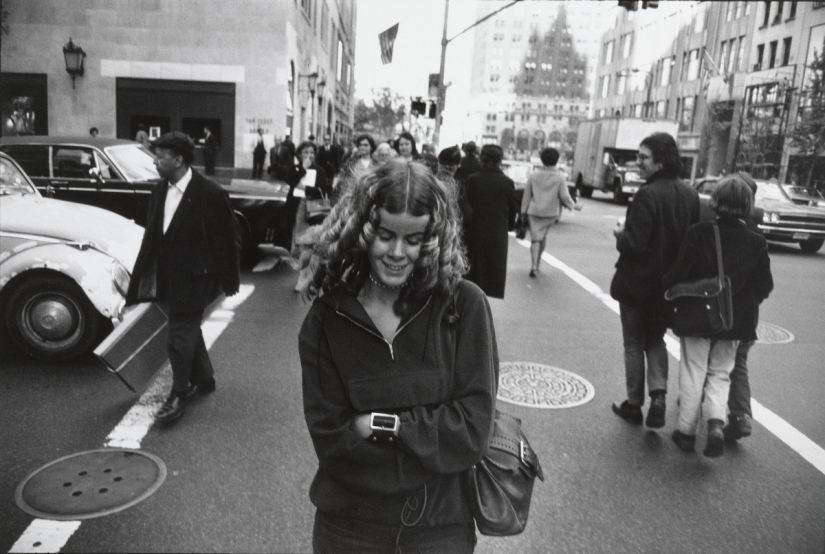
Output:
x,y
373,333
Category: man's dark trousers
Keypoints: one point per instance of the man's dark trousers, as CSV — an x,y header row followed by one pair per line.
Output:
x,y
187,351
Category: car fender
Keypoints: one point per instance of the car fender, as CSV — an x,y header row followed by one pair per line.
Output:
x,y
89,268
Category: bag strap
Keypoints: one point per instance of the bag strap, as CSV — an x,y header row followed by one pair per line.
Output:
x,y
718,251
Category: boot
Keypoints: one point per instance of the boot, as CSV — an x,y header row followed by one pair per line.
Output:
x,y
739,426
715,446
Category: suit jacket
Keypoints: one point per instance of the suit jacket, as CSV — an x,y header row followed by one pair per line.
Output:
x,y
202,245
746,263
656,223
545,192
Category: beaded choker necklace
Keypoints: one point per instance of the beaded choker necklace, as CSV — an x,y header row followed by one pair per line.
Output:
x,y
383,286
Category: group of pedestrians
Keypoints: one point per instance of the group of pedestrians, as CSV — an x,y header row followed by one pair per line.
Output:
x,y
398,350
663,243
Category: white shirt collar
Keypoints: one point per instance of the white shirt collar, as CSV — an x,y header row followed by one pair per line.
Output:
x,y
184,181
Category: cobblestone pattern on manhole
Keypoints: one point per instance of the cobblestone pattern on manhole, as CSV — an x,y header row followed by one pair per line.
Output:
x,y
542,386
768,333
90,484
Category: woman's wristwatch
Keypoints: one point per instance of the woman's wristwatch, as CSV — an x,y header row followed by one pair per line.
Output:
x,y
384,427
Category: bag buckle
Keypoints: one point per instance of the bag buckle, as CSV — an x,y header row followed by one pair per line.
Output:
x,y
523,452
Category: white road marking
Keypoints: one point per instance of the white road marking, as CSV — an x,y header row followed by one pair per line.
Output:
x,y
784,431
44,535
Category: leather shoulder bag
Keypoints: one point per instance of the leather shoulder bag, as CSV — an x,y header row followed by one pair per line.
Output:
x,y
500,485
702,308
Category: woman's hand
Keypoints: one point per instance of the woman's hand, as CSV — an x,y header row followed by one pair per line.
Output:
x,y
361,425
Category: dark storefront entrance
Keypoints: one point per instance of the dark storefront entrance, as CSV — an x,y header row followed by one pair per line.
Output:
x,y
24,105
186,106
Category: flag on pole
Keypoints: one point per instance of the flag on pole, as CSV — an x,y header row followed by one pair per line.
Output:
x,y
387,41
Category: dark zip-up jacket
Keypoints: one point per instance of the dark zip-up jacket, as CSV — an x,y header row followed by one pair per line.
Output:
x,y
439,377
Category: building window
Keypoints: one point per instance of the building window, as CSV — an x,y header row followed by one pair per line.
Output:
x,y
760,53
741,56
694,66
699,22
608,52
747,8
731,64
340,57
324,24
686,117
667,67
767,18
779,8
605,85
792,15
660,109
786,51
723,56
772,59
729,11
620,83
739,9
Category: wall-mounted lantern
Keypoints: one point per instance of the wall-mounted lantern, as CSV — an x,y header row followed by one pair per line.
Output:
x,y
74,56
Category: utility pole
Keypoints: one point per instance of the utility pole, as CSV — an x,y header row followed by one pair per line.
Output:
x,y
444,42
439,101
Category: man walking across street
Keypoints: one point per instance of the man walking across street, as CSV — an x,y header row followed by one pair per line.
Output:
x,y
655,226
189,253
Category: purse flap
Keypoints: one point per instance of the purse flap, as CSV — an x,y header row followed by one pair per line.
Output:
x,y
702,288
509,449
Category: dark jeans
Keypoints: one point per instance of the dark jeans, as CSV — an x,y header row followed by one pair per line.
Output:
x,y
343,535
739,397
187,351
643,335
258,164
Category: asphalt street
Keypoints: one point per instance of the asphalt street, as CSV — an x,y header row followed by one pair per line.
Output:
x,y
240,461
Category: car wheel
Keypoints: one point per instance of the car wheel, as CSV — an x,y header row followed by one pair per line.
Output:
x,y
585,192
811,245
50,318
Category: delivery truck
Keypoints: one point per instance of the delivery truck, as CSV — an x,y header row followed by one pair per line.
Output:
x,y
605,157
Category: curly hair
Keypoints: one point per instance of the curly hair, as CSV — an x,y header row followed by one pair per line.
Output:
x,y
337,250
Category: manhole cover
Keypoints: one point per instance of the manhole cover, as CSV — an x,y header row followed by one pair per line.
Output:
x,y
768,333
542,386
90,484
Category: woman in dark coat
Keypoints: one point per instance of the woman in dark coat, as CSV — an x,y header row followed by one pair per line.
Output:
x,y
494,204
706,362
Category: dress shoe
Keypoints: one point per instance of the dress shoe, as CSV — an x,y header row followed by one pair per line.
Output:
x,y
739,426
202,388
685,442
628,412
532,273
172,409
715,446
656,413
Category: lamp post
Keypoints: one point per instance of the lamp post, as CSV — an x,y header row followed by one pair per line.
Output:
x,y
312,84
74,56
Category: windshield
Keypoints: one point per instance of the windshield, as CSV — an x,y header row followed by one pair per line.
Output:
x,y
134,161
803,193
12,180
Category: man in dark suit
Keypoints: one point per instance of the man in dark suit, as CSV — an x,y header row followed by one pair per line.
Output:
x,y
655,227
258,156
190,251
210,147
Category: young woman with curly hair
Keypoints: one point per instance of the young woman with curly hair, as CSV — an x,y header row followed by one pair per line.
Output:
x,y
400,367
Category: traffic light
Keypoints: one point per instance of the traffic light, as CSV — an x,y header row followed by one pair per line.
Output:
x,y
418,107
629,5
652,4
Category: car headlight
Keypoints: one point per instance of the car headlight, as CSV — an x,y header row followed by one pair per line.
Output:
x,y
120,276
770,217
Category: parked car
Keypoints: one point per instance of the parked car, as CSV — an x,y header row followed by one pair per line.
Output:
x,y
791,213
64,268
119,175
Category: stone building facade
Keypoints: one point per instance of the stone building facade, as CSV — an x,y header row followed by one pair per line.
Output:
x,y
181,65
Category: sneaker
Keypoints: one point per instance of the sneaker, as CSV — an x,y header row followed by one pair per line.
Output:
x,y
656,413
628,412
715,446
685,442
739,426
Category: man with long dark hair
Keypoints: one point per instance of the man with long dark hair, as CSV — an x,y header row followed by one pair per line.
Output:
x,y
655,225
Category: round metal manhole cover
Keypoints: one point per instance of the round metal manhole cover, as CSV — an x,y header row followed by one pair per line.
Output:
x,y
768,333
90,484
542,386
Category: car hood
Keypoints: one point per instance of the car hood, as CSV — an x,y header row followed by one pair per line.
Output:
x,y
788,207
67,221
